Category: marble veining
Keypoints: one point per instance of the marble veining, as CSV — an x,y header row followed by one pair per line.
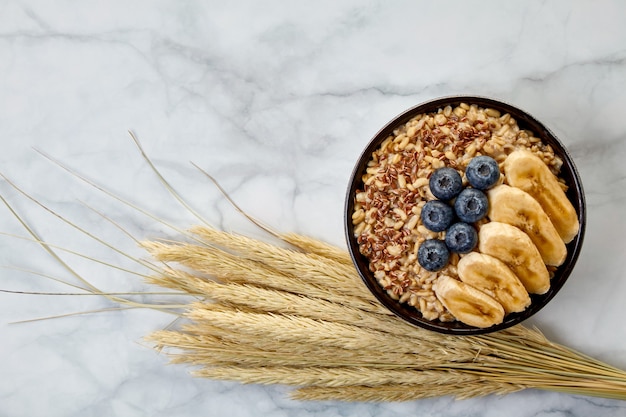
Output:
x,y
276,100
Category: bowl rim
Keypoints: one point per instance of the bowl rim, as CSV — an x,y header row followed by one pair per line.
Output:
x,y
575,193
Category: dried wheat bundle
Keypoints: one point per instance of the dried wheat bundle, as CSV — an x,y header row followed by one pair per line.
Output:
x,y
301,317
295,313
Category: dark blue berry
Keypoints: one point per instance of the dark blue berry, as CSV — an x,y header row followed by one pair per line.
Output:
x,y
445,183
471,205
461,238
482,172
433,254
437,215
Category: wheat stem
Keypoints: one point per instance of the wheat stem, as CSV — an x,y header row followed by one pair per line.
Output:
x,y
399,392
321,376
218,346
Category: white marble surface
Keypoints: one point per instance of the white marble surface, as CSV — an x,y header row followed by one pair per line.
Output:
x,y
276,99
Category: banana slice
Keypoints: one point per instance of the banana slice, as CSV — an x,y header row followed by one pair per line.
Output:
x,y
491,276
527,172
518,208
518,252
467,304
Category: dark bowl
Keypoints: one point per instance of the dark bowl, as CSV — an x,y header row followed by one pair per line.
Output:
x,y
568,172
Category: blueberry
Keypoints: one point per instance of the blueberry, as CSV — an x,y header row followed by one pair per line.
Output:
x,y
445,183
482,172
461,238
471,205
437,215
433,254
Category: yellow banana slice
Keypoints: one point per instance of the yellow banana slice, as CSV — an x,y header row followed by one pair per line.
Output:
x,y
467,304
518,252
491,276
518,208
526,171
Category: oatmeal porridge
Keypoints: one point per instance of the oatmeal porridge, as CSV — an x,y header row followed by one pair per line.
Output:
x,y
387,209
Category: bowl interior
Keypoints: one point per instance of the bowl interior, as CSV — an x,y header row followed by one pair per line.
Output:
x,y
568,172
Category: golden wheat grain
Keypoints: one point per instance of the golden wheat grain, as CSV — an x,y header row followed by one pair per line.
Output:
x,y
311,267
297,333
281,333
218,346
282,302
271,300
333,376
318,247
373,356
400,392
226,267
318,332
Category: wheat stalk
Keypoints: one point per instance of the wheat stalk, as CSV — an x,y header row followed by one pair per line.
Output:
x,y
401,392
226,348
293,332
317,247
299,316
270,300
228,267
334,376
309,266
